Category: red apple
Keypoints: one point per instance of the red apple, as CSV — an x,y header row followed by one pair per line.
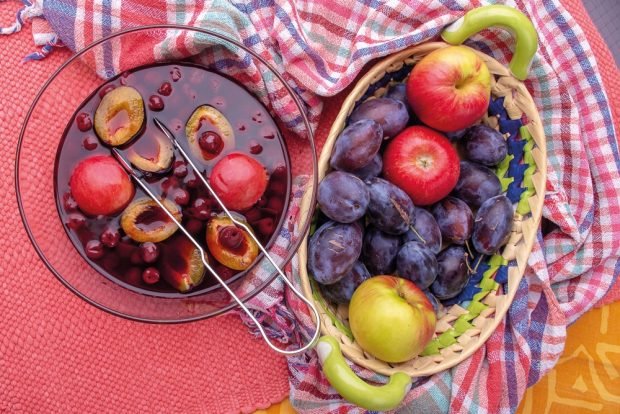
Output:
x,y
391,318
100,186
450,88
423,163
239,180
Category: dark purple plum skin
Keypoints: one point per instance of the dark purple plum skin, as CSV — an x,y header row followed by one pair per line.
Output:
x,y
455,220
379,251
453,274
341,291
390,209
476,184
332,251
391,114
427,227
371,170
493,224
398,91
343,197
356,145
417,263
484,145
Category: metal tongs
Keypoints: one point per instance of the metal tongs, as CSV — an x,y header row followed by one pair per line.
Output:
x,y
138,179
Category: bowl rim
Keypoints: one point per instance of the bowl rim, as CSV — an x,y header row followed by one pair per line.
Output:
x,y
294,245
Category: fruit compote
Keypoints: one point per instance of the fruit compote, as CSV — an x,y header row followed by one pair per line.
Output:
x,y
231,138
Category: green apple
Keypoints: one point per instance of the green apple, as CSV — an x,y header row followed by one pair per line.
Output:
x,y
391,318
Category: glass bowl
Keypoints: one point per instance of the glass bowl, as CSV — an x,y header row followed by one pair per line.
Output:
x,y
77,79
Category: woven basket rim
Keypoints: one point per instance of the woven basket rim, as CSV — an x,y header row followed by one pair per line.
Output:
x,y
500,303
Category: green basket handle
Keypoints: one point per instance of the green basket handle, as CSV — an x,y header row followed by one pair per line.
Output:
x,y
352,388
526,38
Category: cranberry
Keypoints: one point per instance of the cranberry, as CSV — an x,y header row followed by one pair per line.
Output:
x,y
253,215
175,74
103,92
165,89
125,249
136,257
83,121
149,252
265,226
90,143
180,196
255,148
211,142
69,203
279,173
231,237
191,182
156,103
275,203
180,169
262,202
150,275
169,182
201,209
194,226
76,221
110,237
94,249
277,187
111,261
133,275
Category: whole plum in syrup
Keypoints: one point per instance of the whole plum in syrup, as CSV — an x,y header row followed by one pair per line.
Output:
x,y
160,260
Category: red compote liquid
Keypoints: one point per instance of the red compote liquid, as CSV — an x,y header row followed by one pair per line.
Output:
x,y
113,223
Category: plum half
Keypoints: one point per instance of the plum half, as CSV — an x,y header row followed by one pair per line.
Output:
x,y
181,264
153,153
119,116
209,133
229,244
144,221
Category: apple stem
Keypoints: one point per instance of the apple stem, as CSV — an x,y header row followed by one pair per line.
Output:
x,y
417,234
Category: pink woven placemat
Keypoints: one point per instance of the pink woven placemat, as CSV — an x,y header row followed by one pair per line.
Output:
x,y
60,354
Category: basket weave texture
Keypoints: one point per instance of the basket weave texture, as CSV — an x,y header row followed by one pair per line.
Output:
x,y
462,327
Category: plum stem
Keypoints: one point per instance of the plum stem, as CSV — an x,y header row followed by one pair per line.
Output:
x,y
417,234
468,248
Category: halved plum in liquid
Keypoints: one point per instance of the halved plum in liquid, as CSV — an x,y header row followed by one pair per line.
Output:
x,y
152,153
119,116
144,221
181,264
209,133
229,244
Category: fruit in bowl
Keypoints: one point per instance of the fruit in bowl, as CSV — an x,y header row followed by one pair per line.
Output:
x,y
391,318
126,235
450,88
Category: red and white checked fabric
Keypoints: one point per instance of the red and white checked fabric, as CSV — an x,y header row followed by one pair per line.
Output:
x,y
320,47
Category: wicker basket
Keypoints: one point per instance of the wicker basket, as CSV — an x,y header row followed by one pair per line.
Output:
x,y
462,328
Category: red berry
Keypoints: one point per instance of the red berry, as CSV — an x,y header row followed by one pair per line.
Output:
x,y
265,226
275,203
110,237
90,143
150,275
231,237
194,226
180,169
211,142
156,103
94,249
149,252
202,209
253,215
262,202
255,148
69,203
165,89
277,188
180,196
76,221
133,275
136,257
83,121
279,173
105,90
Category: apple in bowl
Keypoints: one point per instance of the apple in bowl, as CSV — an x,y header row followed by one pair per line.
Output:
x,y
450,88
391,318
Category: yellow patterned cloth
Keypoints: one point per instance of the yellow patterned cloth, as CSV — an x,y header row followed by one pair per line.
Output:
x,y
586,378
